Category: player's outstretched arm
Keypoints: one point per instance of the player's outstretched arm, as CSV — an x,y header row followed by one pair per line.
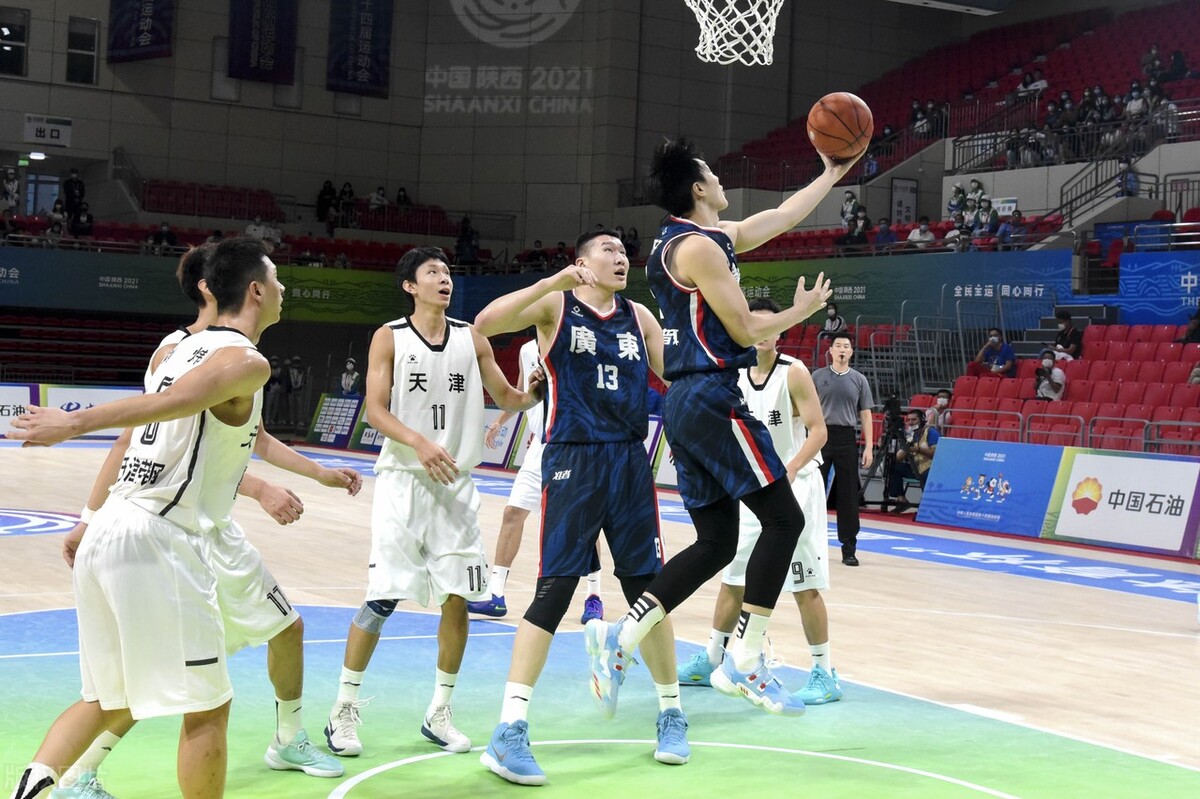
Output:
x,y
653,333
756,230
803,392
533,305
276,453
506,395
231,373
280,503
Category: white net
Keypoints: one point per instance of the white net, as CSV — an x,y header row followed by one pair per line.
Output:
x,y
736,30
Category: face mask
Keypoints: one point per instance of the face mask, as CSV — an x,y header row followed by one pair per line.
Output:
x,y
993,340
1062,326
832,313
942,402
910,427
1047,363
349,367
924,228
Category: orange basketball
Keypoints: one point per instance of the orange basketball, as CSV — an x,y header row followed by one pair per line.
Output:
x,y
840,125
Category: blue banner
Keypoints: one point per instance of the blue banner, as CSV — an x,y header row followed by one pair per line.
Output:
x,y
360,47
262,40
993,486
1159,287
139,29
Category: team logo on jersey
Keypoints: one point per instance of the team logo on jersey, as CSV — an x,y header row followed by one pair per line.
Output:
x,y
33,522
412,358
575,311
514,23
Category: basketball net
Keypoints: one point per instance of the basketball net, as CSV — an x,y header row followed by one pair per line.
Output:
x,y
736,30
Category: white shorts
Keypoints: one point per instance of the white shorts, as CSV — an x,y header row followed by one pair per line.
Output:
x,y
253,606
526,492
810,561
425,540
150,632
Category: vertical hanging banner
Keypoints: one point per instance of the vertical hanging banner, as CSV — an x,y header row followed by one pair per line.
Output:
x,y
139,29
262,40
360,47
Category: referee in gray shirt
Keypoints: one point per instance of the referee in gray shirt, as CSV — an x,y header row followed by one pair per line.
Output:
x,y
845,400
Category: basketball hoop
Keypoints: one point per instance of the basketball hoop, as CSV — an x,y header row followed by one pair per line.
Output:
x,y
736,30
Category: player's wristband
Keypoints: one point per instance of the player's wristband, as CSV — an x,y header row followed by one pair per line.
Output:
x,y
86,515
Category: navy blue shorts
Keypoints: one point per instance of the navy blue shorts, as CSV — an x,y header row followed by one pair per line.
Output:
x,y
720,450
589,487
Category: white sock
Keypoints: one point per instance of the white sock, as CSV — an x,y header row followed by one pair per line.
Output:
x,y
288,721
35,782
638,622
748,642
820,653
717,641
516,702
498,579
443,686
91,759
348,686
593,581
668,696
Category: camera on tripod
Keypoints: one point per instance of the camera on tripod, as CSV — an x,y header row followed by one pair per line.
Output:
x,y
893,415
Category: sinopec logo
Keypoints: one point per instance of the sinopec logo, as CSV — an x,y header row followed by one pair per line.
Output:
x,y
514,23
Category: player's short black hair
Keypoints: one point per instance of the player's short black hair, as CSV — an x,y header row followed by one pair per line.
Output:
x,y
588,236
406,269
842,334
764,304
233,264
190,272
674,168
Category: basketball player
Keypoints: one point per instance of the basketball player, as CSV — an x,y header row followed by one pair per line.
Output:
x,y
526,495
251,601
598,348
141,577
779,392
722,453
425,384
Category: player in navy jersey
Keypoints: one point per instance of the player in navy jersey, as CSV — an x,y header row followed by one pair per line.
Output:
x,y
722,453
597,350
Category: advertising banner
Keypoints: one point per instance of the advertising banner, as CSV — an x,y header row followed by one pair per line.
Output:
x,y
74,398
1158,287
360,47
994,486
14,399
334,420
1125,500
262,40
139,29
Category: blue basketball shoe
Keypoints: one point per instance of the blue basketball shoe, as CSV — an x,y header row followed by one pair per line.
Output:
x,y
822,687
493,607
758,686
696,671
672,746
609,662
593,608
508,755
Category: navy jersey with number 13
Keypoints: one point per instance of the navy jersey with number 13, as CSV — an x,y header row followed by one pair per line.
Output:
x,y
597,375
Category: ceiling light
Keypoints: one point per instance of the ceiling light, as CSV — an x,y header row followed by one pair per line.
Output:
x,y
37,156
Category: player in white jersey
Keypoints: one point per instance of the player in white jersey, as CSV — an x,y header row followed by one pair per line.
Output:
x,y
526,495
141,578
253,606
425,384
780,393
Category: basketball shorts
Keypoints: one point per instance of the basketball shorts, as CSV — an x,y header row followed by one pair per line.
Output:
x,y
587,488
810,561
720,449
151,636
526,492
425,540
253,606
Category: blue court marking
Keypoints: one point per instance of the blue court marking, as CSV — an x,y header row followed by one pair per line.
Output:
x,y
1144,579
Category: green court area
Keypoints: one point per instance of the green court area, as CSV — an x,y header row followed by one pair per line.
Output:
x,y
872,744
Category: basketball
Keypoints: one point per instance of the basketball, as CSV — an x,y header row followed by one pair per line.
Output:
x,y
840,125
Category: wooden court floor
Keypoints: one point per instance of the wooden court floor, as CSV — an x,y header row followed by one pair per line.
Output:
x,y
1114,668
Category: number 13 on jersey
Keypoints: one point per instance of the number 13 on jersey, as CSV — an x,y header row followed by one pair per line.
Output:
x,y
606,377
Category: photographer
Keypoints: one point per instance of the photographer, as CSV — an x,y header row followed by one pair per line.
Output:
x,y
914,456
1051,381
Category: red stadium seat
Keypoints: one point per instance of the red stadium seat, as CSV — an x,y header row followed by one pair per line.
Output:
x,y
1095,350
1028,387
1140,412
1157,393
1104,391
1101,370
921,401
1094,333
1185,395
1143,351
1191,353
1078,390
1131,392
1116,333
1163,334
1075,370
987,385
1009,388
1027,367
1085,410
1176,372
1118,350
1125,371
965,386
1139,333
1168,351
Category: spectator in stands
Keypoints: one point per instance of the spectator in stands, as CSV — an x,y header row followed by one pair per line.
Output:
x,y
1109,111
936,114
350,381
561,259
1194,377
1031,150
633,244
310,258
995,357
537,256
881,143
970,213
1052,114
273,394
915,112
849,208
83,224
870,167
215,237
976,190
466,247
987,221
921,236
914,455
295,382
161,241
1012,231
855,237
1051,381
1148,58
326,200
346,200
58,212
922,128
10,191
938,415
341,261
1012,149
73,191
256,229
1192,334
957,201
834,323
377,201
53,235
1127,181
958,237
1137,107
885,237
1068,343
1025,88
402,198
1040,84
